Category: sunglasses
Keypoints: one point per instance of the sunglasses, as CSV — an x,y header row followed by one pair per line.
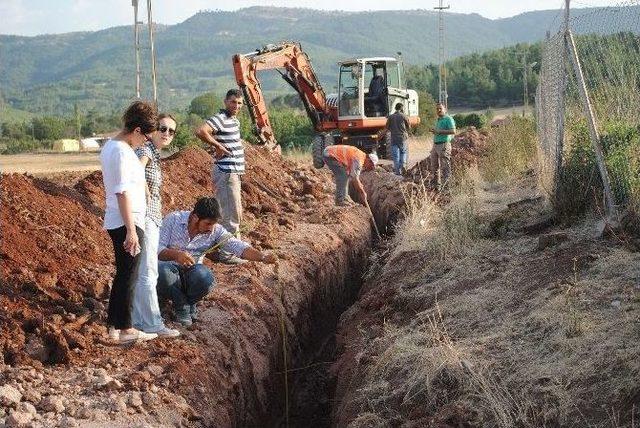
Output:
x,y
164,129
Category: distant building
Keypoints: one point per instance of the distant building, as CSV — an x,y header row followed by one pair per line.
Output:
x,y
66,145
91,144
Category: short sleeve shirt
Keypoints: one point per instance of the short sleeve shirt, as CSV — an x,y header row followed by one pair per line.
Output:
x,y
153,177
445,122
398,125
227,133
122,172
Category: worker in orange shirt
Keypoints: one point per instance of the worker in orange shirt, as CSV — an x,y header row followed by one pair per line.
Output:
x,y
346,163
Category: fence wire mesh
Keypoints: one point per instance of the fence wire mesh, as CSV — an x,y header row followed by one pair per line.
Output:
x,y
608,48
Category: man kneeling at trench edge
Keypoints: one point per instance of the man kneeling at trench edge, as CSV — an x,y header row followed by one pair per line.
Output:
x,y
185,239
346,163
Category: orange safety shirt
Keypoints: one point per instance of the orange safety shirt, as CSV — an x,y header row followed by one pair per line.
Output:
x,y
346,155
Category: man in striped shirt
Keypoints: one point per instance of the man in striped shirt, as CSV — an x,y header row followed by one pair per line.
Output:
x,y
222,131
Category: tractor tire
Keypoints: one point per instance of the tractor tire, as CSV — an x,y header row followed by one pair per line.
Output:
x,y
320,141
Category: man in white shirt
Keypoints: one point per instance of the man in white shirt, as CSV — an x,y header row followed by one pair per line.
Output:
x,y
185,239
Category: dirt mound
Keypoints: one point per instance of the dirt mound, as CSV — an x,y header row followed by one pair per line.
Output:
x,y
57,267
274,191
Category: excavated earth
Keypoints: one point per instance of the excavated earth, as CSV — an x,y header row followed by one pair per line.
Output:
x,y
227,370
261,322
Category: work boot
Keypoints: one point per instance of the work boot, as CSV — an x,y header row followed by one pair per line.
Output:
x,y
183,316
193,310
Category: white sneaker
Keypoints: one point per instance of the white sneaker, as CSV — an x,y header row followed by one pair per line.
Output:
x,y
167,333
114,333
136,336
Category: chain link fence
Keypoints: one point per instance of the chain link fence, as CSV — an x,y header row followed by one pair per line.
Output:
x,y
590,145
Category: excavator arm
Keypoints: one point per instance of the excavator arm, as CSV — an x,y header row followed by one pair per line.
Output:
x,y
294,66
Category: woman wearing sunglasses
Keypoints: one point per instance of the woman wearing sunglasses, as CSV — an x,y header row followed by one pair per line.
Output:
x,y
146,311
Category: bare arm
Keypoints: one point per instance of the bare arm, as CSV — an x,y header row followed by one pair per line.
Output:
x,y
131,243
254,255
206,134
357,184
175,255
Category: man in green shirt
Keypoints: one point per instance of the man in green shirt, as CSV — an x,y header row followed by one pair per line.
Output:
x,y
440,156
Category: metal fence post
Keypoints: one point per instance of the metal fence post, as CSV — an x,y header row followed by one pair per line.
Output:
x,y
610,208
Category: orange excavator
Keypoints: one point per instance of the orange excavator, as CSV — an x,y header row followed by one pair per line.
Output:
x,y
368,90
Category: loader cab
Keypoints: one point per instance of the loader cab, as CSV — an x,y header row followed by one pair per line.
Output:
x,y
369,87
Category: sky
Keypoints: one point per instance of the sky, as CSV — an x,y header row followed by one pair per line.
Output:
x,y
33,17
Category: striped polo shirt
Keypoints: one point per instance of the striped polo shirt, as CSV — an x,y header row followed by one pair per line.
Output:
x,y
227,133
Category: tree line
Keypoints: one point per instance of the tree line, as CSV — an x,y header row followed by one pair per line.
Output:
x,y
490,79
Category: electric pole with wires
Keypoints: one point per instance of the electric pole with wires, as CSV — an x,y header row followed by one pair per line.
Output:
x,y
442,72
136,34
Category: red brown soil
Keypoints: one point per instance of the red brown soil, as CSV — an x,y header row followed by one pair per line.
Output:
x,y
57,267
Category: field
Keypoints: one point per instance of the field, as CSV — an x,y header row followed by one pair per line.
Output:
x,y
46,163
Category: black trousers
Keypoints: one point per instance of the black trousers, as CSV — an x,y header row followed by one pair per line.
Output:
x,y
119,312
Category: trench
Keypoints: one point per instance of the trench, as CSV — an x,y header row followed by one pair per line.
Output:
x,y
311,386
315,294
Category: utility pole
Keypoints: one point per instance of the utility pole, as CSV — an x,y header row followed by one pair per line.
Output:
x,y
442,72
153,54
136,38
525,82
136,35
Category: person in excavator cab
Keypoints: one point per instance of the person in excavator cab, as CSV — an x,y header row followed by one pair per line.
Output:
x,y
375,96
346,163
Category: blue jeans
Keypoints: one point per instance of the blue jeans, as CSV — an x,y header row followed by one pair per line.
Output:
x,y
399,153
184,286
145,314
341,178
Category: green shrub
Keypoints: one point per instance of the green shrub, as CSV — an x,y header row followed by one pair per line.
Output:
x,y
471,119
579,184
10,146
621,145
460,120
476,120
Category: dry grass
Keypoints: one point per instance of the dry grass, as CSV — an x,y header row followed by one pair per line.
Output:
x,y
440,231
298,155
512,149
517,337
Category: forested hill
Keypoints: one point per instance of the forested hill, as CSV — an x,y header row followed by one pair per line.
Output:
x,y
50,74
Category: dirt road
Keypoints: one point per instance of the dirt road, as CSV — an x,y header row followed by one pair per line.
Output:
x,y
47,163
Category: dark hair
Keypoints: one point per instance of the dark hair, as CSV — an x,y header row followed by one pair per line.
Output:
x,y
233,93
207,208
167,116
141,114
399,107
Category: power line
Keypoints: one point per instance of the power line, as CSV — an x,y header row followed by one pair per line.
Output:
x,y
442,72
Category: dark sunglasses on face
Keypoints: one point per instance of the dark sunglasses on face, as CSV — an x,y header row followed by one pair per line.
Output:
x,y
164,129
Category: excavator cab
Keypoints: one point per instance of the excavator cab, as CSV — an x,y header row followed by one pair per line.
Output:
x,y
368,91
371,87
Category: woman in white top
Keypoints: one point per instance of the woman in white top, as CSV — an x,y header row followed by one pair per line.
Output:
x,y
124,217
